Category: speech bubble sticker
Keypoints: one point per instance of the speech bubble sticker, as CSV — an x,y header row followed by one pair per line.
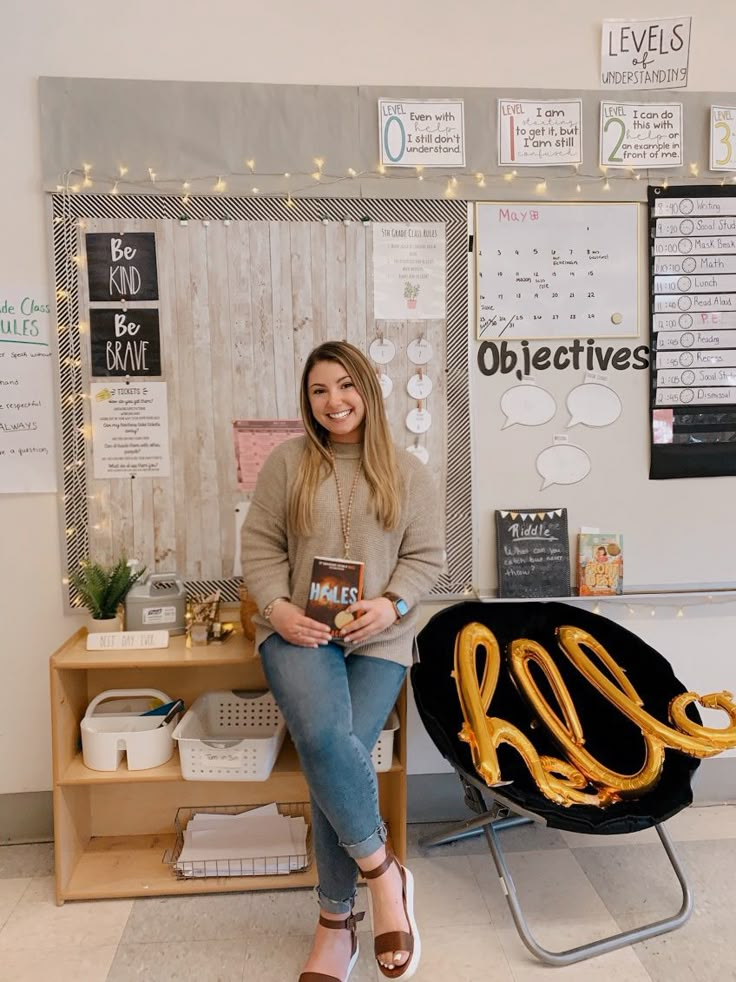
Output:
x,y
529,405
562,463
593,404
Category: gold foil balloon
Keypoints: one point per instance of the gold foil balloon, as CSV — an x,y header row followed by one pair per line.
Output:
x,y
579,778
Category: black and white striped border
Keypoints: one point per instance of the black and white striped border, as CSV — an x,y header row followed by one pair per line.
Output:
x,y
69,209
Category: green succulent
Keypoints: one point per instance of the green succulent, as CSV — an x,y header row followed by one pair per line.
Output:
x,y
101,589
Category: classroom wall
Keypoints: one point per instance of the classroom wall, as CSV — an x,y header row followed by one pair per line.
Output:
x,y
527,44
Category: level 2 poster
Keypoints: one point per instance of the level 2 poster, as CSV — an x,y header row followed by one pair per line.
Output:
x,y
27,403
641,135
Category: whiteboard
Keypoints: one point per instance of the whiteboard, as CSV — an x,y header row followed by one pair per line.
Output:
x,y
556,270
678,534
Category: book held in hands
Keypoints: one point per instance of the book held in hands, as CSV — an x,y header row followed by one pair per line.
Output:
x,y
334,586
600,564
533,552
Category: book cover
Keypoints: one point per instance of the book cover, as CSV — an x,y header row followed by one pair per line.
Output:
x,y
334,586
600,564
533,553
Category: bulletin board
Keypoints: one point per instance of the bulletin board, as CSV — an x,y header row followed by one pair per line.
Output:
x,y
223,309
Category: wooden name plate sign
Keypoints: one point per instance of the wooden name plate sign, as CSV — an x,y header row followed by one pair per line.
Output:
x,y
533,551
119,640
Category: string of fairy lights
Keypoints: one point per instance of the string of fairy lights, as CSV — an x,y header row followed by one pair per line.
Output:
x,y
290,187
293,185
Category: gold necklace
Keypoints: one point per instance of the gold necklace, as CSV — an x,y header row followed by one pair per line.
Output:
x,y
345,518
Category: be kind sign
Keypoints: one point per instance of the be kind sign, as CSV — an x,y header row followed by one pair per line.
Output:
x,y
645,54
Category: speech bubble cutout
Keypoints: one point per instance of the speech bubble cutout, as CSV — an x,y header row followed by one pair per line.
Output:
x,y
562,463
593,404
530,405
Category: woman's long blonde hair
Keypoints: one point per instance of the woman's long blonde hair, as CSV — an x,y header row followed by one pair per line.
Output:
x,y
379,457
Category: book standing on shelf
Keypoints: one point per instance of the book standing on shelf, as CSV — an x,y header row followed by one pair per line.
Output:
x,y
533,552
334,586
600,564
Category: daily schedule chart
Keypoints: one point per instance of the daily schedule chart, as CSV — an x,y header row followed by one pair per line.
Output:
x,y
693,311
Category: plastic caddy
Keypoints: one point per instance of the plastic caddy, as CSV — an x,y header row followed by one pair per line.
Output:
x,y
109,734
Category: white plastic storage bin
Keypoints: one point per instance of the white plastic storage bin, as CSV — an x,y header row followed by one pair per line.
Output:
x,y
383,752
230,736
116,728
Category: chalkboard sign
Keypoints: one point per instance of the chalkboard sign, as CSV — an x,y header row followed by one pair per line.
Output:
x,y
124,342
122,266
533,553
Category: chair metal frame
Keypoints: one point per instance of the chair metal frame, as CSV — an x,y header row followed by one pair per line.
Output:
x,y
505,814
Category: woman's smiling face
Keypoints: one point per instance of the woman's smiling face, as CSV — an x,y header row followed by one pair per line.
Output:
x,y
335,402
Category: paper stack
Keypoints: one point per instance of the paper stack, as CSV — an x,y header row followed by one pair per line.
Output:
x,y
253,843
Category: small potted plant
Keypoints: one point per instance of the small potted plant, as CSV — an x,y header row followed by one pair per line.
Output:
x,y
411,292
102,589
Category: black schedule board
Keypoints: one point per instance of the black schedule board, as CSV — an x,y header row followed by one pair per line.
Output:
x,y
124,342
533,550
122,266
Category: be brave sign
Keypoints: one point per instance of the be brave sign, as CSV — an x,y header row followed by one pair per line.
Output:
x,y
124,342
122,266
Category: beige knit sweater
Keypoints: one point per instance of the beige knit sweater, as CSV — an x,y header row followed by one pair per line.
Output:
x,y
406,561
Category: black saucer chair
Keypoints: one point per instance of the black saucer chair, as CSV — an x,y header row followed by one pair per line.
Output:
x,y
609,736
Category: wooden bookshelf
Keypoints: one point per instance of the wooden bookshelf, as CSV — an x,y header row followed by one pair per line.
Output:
x,y
112,828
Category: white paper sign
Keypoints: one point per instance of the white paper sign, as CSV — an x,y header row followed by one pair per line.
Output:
x,y
121,640
533,134
27,405
641,135
421,134
722,138
130,429
645,54
409,271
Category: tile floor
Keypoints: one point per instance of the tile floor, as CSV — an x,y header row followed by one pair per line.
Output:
x,y
574,887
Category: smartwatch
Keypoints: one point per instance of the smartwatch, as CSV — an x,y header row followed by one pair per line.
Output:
x,y
401,607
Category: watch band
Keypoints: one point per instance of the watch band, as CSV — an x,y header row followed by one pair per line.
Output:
x,y
268,609
401,607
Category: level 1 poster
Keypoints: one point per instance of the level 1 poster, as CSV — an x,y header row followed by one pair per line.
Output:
x,y
534,134
27,403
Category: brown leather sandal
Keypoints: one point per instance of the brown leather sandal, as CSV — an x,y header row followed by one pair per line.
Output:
x,y
398,940
350,924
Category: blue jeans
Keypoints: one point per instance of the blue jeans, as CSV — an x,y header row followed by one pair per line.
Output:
x,y
335,708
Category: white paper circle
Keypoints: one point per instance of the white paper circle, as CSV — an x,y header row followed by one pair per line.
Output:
x,y
419,386
419,351
420,452
382,351
386,385
418,421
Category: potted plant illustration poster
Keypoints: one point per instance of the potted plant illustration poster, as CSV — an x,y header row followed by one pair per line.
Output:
x,y
411,292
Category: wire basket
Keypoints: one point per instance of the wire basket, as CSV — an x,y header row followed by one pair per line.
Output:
x,y
260,866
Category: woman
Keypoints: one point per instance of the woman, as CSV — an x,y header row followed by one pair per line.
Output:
x,y
343,490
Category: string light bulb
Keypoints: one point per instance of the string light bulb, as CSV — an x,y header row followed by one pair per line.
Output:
x,y
251,164
122,170
542,186
220,185
606,185
694,169
352,172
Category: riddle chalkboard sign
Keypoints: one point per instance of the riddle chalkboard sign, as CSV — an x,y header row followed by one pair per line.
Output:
x,y
533,553
122,266
124,342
